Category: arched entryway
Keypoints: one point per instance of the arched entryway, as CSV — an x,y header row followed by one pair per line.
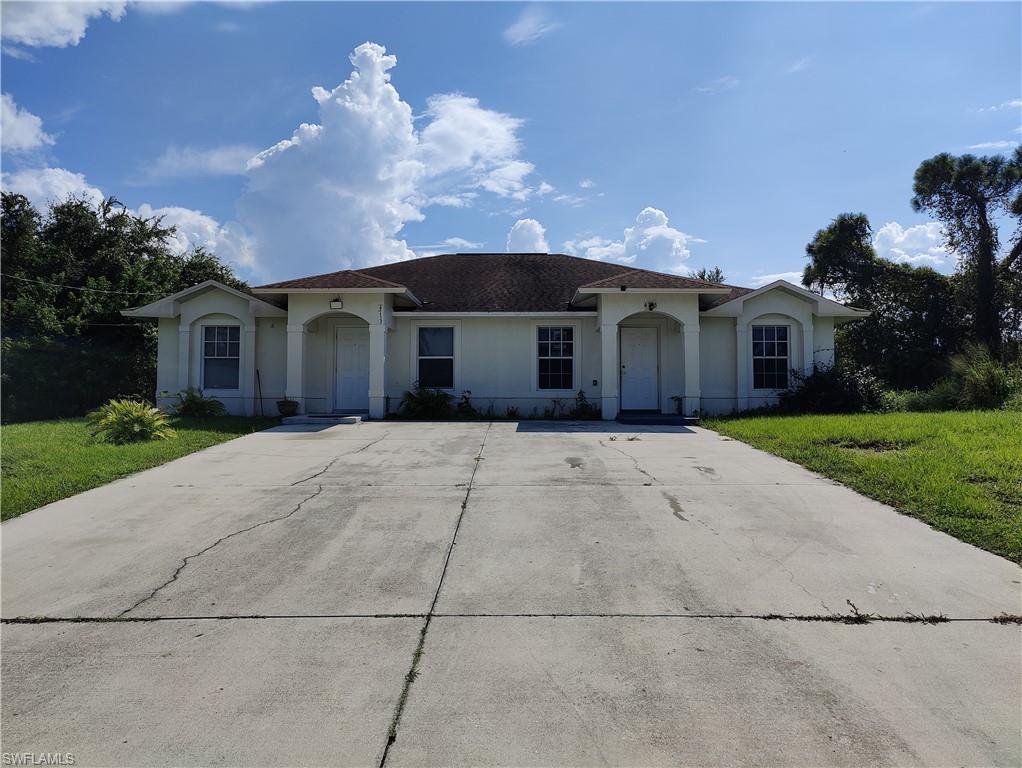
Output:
x,y
651,362
337,361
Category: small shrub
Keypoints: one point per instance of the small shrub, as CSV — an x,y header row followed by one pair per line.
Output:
x,y
942,396
512,412
555,410
834,389
129,421
984,383
583,408
464,408
192,402
425,403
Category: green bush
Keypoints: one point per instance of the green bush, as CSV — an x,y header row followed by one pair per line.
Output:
x,y
943,396
833,389
583,408
192,402
983,381
129,421
425,403
465,409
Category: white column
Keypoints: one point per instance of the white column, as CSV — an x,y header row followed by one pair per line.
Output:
x,y
293,387
741,365
611,371
377,371
184,357
248,355
692,396
808,353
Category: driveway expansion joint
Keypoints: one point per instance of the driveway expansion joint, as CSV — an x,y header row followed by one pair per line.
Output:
x,y
413,670
204,550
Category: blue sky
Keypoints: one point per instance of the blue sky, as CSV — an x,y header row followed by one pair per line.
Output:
x,y
667,136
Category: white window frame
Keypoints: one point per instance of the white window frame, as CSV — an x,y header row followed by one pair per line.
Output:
x,y
753,356
456,333
576,370
536,341
202,356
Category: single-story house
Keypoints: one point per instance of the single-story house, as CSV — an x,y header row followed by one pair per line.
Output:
x,y
516,330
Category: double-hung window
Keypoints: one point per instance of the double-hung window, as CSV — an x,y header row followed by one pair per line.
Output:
x,y
770,357
436,357
556,357
221,354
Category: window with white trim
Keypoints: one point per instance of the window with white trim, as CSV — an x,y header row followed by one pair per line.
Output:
x,y
436,357
556,357
770,357
221,356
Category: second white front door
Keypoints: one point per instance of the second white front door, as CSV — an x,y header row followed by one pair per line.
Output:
x,y
639,369
351,373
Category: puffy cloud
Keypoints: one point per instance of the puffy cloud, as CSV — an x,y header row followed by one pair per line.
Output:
x,y
726,83
527,236
194,229
55,23
20,130
920,244
651,242
337,193
533,23
587,183
791,277
50,185
179,162
446,246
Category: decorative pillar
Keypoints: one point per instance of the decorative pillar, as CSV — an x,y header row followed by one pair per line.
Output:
x,y
741,365
611,371
808,353
248,356
377,371
293,387
184,357
692,391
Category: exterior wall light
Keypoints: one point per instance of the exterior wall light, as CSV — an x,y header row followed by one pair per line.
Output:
x,y
336,304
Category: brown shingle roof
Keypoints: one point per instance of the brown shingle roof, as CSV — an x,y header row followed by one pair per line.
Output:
x,y
346,278
711,301
496,282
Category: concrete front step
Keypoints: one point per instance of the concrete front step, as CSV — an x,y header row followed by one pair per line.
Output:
x,y
324,419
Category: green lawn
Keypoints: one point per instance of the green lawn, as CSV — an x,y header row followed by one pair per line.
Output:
x,y
43,461
961,472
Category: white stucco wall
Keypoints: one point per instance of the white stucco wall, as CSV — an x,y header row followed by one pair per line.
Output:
x,y
705,359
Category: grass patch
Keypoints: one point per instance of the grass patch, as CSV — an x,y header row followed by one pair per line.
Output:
x,y
45,461
961,472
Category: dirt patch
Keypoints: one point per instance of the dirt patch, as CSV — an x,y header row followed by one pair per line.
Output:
x,y
876,446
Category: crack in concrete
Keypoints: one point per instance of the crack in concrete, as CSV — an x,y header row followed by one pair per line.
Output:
x,y
413,670
855,617
337,458
635,461
189,558
783,567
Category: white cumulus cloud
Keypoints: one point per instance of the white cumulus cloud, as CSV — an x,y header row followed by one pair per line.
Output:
x,y
1011,104
921,244
533,23
651,242
337,193
20,130
527,236
791,277
194,229
53,22
50,185
180,162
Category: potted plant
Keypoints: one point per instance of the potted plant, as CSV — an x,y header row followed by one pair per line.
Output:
x,y
287,407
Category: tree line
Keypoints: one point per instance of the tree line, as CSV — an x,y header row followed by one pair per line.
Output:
x,y
66,275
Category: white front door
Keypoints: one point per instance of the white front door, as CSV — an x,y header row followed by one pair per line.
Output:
x,y
639,372
351,373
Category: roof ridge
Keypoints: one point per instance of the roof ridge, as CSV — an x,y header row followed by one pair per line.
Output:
x,y
374,277
641,270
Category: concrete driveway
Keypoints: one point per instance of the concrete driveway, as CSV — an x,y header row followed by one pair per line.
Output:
x,y
562,594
